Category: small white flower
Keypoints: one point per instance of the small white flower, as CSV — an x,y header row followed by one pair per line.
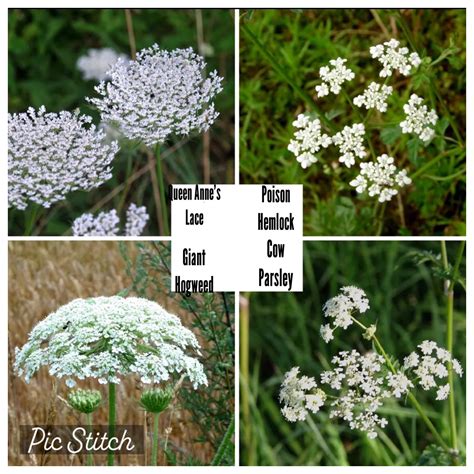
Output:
x,y
392,57
418,119
137,217
308,140
427,347
411,360
327,333
443,392
350,143
457,367
96,63
374,97
333,77
399,383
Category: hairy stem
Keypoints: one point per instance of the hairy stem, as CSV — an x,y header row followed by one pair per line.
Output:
x,y
161,185
111,432
154,447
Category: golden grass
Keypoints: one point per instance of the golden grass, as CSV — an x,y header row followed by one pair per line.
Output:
x,y
43,276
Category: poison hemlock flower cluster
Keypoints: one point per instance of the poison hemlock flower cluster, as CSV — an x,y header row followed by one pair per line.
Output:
x,y
358,385
96,63
108,338
52,154
161,93
380,178
107,223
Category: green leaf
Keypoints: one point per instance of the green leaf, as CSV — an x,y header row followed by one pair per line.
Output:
x,y
435,456
390,135
413,147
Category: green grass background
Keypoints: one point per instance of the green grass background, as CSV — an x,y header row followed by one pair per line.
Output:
x,y
407,303
301,41
43,47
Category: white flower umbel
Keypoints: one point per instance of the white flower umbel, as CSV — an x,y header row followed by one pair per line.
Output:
x,y
350,142
341,309
52,154
374,97
393,57
295,399
96,63
430,366
108,338
380,179
333,77
160,94
308,140
418,119
107,223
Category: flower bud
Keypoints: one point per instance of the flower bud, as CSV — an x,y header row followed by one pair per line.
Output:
x,y
156,400
84,401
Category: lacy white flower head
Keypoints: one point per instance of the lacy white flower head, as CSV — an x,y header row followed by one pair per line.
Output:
x,y
52,154
380,179
374,97
341,309
431,366
107,223
351,143
333,77
108,338
419,120
392,56
96,63
362,385
160,94
308,140
295,399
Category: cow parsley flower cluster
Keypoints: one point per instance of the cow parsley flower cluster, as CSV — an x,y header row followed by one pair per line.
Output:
x,y
107,223
380,179
308,140
393,57
52,154
351,143
161,93
96,63
295,399
374,97
419,120
108,338
430,364
341,309
333,77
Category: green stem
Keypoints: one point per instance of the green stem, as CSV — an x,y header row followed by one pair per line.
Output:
x,y
161,184
154,447
244,370
111,432
410,396
428,165
282,72
90,454
380,219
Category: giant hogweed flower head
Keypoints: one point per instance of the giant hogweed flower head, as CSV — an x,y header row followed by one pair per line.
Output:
x,y
109,338
393,57
351,143
300,395
308,140
418,119
342,308
161,93
380,179
52,154
374,97
96,63
333,76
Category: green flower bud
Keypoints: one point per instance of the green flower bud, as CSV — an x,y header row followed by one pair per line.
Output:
x,y
370,332
84,401
156,400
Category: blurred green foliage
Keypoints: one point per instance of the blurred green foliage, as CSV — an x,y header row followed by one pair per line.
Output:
x,y
43,48
408,305
301,41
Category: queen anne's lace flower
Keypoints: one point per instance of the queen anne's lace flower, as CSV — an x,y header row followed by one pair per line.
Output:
x,y
418,119
52,154
161,93
333,77
391,56
295,399
107,223
374,97
350,143
380,179
308,140
108,338
96,63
